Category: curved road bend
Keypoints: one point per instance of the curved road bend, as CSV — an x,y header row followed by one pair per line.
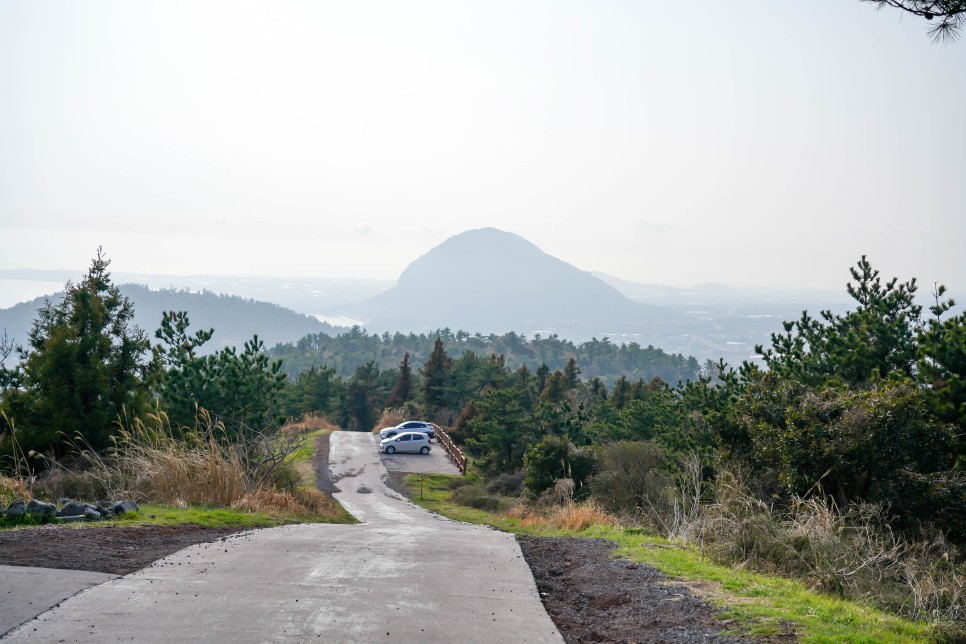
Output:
x,y
403,575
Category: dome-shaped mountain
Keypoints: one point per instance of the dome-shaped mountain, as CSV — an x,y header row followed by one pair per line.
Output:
x,y
489,280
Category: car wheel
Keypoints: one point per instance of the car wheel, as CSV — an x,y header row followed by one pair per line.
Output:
x,y
390,450
424,450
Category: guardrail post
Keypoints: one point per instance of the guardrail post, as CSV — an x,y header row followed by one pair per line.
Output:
x,y
454,452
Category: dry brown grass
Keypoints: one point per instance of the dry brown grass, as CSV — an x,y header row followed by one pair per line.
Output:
x,y
390,418
151,462
302,501
851,552
154,464
266,500
569,516
310,423
11,489
316,502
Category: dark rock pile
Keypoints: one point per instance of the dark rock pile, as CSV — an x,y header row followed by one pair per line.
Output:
x,y
69,511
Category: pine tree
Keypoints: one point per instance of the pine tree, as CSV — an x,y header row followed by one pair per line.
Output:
x,y
363,398
571,374
868,344
556,389
84,368
543,372
521,378
946,17
436,377
402,392
621,394
242,390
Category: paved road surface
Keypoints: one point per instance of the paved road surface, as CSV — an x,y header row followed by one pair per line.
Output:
x,y
24,592
403,575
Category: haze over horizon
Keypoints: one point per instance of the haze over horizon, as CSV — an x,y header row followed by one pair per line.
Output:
x,y
754,144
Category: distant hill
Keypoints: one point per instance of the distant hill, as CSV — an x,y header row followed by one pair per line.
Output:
x,y
233,318
310,295
493,281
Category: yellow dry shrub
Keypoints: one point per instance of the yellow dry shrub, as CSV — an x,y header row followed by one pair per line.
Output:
x,y
11,489
305,500
570,516
192,469
316,502
389,418
310,423
268,500
578,516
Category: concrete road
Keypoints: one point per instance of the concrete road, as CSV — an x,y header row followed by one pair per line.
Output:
x,y
24,592
403,575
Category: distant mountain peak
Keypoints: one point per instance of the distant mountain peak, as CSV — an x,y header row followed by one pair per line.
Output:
x,y
493,280
474,256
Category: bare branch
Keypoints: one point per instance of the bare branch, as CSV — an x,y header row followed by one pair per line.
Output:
x,y
6,347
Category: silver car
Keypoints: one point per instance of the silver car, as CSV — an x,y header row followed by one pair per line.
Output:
x,y
410,442
408,426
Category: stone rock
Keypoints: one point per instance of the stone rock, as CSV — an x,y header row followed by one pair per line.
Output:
x,y
41,509
73,509
105,510
124,506
91,514
17,509
71,519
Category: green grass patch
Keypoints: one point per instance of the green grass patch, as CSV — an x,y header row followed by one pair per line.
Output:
x,y
26,520
303,458
153,514
156,514
751,603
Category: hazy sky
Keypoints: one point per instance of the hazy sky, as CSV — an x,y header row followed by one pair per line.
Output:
x,y
751,142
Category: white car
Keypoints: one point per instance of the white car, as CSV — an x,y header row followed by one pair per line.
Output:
x,y
409,442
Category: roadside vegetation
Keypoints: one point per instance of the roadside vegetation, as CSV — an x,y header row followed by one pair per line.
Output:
x,y
93,411
835,462
308,430
760,604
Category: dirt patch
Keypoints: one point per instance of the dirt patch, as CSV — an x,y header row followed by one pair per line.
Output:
x,y
593,597
112,549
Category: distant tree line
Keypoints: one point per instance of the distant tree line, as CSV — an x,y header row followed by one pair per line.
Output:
x,y
602,359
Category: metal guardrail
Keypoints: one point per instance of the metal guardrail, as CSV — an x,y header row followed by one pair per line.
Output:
x,y
454,452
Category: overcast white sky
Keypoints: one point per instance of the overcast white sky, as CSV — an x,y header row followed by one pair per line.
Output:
x,y
750,142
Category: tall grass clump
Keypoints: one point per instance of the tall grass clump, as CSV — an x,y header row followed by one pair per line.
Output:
x,y
477,496
851,552
310,423
571,516
11,489
156,462
390,418
180,468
